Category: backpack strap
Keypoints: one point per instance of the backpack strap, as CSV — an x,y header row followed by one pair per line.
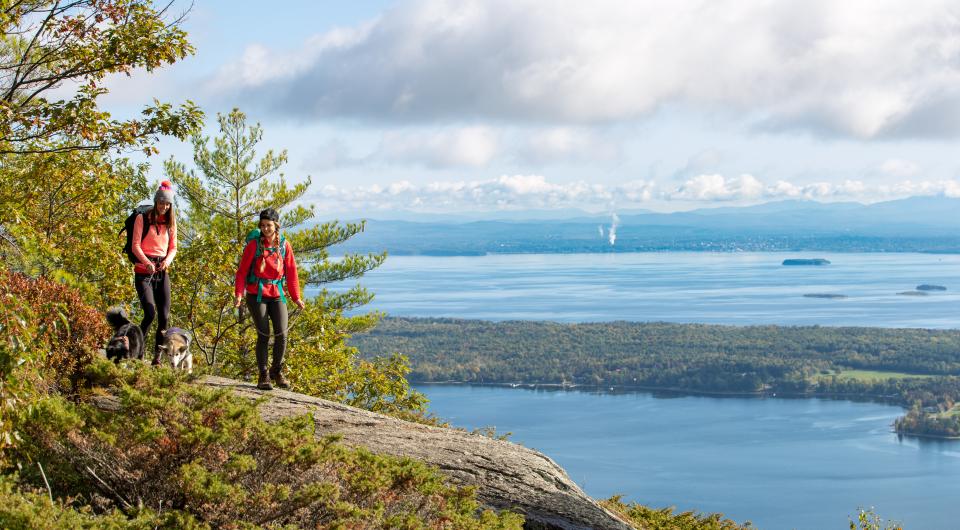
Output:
x,y
146,227
253,278
278,283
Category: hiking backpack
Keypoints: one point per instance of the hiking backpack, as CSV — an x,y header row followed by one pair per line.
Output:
x,y
253,278
128,228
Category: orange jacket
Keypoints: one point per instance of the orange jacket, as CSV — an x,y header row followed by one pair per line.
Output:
x,y
159,242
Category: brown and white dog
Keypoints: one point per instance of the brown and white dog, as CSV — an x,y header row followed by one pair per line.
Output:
x,y
176,344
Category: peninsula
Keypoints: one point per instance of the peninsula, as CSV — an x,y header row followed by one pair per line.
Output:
x,y
903,366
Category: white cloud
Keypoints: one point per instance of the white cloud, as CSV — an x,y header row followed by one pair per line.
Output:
x,y
462,147
259,65
947,188
712,188
717,188
567,144
519,192
502,193
862,68
848,189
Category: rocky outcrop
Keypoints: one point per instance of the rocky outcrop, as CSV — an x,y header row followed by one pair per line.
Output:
x,y
506,475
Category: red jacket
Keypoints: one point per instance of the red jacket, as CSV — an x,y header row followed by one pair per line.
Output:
x,y
273,269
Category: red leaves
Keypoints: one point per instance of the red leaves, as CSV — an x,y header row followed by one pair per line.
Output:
x,y
71,330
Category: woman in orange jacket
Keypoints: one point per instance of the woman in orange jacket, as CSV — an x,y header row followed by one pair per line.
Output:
x,y
154,254
266,265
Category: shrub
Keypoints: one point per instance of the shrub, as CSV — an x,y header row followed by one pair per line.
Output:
x,y
24,508
17,337
169,445
869,520
665,518
66,331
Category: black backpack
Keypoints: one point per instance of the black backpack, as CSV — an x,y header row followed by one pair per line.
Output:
x,y
128,228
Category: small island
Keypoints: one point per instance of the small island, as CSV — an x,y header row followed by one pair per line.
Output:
x,y
824,295
814,261
914,293
931,287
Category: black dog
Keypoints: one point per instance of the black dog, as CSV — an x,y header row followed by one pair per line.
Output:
x,y
127,341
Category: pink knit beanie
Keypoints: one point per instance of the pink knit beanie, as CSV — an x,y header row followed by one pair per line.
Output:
x,y
164,193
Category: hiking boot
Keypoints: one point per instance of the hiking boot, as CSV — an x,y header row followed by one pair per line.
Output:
x,y
263,382
278,379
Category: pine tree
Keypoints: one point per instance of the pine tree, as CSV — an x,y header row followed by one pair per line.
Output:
x,y
225,192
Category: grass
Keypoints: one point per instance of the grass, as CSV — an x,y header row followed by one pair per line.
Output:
x,y
955,411
873,375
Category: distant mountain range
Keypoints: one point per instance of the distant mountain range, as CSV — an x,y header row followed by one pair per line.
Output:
x,y
916,224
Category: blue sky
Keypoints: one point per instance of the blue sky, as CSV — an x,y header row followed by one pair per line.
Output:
x,y
452,106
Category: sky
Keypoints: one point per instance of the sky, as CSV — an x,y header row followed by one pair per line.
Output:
x,y
451,106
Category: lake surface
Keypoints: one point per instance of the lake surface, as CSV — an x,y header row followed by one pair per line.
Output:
x,y
721,288
781,463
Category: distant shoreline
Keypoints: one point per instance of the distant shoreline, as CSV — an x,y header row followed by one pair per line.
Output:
x,y
766,394
480,253
888,399
920,435
929,436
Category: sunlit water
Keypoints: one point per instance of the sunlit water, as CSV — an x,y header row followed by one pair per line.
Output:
x,y
781,463
724,288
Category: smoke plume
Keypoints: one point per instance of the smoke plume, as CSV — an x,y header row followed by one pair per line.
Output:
x,y
612,234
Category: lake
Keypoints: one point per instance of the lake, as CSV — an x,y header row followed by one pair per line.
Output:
x,y
720,288
781,463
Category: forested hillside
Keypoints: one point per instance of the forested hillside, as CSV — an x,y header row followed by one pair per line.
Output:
x,y
908,366
694,356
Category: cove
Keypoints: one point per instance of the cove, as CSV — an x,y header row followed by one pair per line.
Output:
x,y
781,463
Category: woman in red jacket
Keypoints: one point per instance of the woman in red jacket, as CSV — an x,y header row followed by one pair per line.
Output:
x,y
266,265
155,253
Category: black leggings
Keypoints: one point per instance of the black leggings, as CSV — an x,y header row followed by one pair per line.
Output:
x,y
265,312
154,294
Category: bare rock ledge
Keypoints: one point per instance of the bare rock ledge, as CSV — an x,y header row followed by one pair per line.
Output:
x,y
506,475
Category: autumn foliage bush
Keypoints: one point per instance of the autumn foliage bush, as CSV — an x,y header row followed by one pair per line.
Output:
x,y
64,331
48,336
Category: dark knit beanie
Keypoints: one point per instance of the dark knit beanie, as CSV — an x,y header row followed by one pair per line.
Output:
x,y
270,215
164,193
